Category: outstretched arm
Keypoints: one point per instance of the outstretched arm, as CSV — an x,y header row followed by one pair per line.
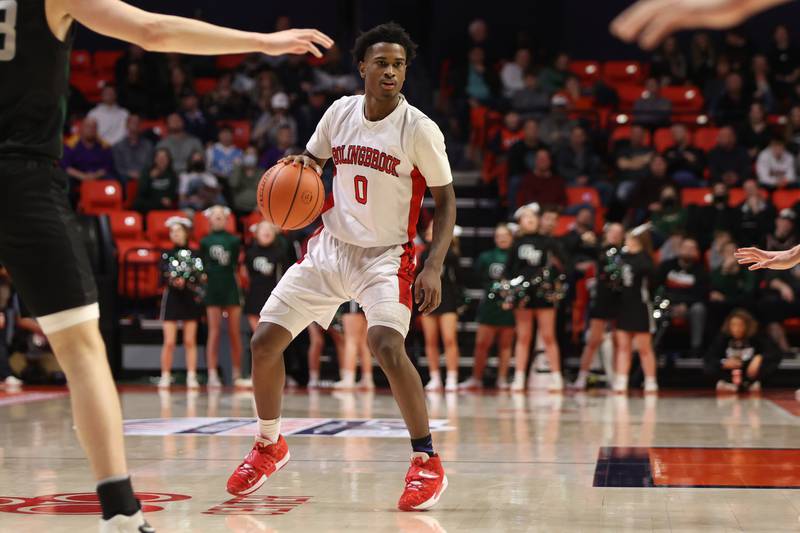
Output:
x,y
165,33
428,286
649,21
762,259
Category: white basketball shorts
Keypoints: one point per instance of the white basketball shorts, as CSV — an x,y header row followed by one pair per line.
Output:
x,y
333,272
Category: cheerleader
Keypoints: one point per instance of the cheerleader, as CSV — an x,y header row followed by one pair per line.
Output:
x,y
182,272
354,328
530,254
220,252
605,298
494,322
635,317
443,321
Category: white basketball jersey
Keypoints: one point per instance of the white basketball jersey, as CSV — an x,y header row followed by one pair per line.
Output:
x,y
381,171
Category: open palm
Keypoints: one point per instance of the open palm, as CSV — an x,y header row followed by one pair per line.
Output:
x,y
760,259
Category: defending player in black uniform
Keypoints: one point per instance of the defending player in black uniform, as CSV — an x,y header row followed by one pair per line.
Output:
x,y
530,255
605,297
37,227
635,317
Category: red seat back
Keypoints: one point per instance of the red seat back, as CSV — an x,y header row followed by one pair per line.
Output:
x,y
230,61
785,198
106,60
241,131
80,61
695,196
685,99
126,225
101,196
706,138
139,275
157,233
202,228
628,94
203,86
587,71
583,195
564,225
616,72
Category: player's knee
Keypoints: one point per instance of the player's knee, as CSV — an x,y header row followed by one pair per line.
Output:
x,y
169,344
264,346
548,337
388,351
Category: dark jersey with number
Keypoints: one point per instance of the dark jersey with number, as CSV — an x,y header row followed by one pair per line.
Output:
x,y
34,69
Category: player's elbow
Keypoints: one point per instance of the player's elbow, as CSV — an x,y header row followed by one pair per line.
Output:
x,y
154,35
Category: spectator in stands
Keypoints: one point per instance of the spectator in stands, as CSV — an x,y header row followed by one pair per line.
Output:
x,y
87,158
580,242
780,300
702,58
792,130
520,159
542,185
729,162
513,72
244,181
134,153
478,36
669,64
111,118
478,82
755,215
576,162
685,282
180,144
552,77
647,192
685,162
740,359
158,187
310,114
532,100
784,59
755,133
198,189
223,103
509,134
704,221
784,236
555,128
760,82
195,120
716,253
668,216
335,76
265,86
775,166
633,161
265,130
738,49
223,156
732,104
714,87
178,84
283,147
651,109
732,286
134,93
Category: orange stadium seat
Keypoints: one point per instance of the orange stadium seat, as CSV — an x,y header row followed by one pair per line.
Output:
x,y
80,61
138,266
249,221
785,198
622,72
201,227
90,85
564,225
241,131
705,138
157,126
126,225
622,133
685,99
156,232
100,196
628,94
583,195
587,71
695,196
662,140
230,61
106,60
203,86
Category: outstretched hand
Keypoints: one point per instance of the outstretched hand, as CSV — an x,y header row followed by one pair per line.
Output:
x,y
428,290
761,259
296,41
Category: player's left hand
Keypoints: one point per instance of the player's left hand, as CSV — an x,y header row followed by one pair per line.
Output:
x,y
762,259
296,41
428,290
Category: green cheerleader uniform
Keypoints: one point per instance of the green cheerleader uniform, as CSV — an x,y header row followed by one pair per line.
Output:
x,y
490,266
220,251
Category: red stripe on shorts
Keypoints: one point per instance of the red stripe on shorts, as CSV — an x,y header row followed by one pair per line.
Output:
x,y
406,273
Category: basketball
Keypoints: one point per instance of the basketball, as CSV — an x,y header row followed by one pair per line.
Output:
x,y
290,196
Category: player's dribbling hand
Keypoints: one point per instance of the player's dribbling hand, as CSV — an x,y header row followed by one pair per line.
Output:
x,y
296,41
302,160
428,290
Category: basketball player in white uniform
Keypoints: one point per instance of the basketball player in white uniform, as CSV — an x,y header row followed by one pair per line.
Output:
x,y
385,153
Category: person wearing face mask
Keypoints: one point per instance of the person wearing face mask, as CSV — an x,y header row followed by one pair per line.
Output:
x,y
667,215
244,182
704,221
198,189
684,282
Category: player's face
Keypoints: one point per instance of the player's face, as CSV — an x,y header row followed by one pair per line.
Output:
x,y
383,70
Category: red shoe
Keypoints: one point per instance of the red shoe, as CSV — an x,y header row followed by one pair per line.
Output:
x,y
263,460
425,484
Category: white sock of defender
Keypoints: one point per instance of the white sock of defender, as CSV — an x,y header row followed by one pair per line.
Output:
x,y
270,429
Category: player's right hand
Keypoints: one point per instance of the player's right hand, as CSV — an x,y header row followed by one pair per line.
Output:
x,y
760,259
295,42
302,160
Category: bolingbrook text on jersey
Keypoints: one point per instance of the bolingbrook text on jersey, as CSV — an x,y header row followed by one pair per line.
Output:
x,y
367,157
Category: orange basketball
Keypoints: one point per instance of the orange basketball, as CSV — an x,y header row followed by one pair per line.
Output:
x,y
290,196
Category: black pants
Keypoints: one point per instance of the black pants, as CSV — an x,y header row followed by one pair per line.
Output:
x,y
40,243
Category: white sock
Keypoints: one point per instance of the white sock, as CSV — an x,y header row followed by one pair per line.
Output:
x,y
166,375
348,376
213,372
452,376
270,429
191,374
313,375
236,373
583,375
366,376
436,376
556,375
650,381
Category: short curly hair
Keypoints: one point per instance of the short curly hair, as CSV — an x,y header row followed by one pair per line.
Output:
x,y
390,32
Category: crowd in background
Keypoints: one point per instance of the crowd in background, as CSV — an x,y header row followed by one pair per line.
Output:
x,y
548,138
